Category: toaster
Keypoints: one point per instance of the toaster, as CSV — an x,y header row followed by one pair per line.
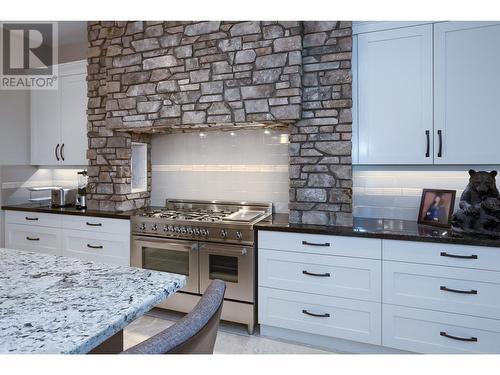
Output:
x,y
61,197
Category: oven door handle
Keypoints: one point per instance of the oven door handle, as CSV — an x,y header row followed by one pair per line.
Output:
x,y
229,250
165,244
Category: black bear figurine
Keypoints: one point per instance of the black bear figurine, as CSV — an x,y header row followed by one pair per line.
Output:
x,y
479,212
481,185
485,222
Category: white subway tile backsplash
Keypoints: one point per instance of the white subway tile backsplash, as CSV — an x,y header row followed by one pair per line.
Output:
x,y
249,165
394,192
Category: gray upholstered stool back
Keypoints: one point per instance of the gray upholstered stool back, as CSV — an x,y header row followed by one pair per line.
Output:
x,y
193,334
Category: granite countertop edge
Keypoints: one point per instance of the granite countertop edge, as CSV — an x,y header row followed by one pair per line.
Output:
x,y
123,321
124,215
376,228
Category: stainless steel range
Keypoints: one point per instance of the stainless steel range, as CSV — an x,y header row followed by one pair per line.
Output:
x,y
203,240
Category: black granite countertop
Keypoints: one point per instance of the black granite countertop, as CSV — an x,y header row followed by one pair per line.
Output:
x,y
32,207
404,230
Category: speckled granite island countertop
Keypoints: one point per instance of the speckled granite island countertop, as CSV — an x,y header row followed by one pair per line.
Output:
x,y
54,304
389,229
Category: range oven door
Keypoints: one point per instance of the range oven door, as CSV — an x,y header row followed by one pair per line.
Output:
x,y
163,254
233,264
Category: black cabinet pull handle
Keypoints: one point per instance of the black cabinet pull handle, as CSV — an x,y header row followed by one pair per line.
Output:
x,y
325,315
326,274
470,339
440,151
428,149
94,246
31,218
472,291
445,254
326,244
57,152
62,154
32,238
94,224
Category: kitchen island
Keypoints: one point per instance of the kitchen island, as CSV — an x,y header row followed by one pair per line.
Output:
x,y
61,305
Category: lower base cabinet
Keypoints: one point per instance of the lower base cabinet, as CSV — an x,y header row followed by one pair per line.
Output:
x,y
30,238
95,239
322,315
97,247
435,332
395,297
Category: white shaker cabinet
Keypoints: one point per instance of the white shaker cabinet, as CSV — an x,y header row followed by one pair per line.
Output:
x,y
466,92
59,119
394,96
97,239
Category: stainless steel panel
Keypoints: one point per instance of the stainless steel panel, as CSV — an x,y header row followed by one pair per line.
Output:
x,y
168,251
239,285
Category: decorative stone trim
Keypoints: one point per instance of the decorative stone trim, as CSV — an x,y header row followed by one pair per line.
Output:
x,y
320,142
147,77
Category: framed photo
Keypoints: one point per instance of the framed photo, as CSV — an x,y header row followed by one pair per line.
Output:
x,y
436,207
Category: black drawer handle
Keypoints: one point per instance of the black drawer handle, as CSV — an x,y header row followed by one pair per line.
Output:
x,y
94,224
33,238
94,246
326,244
428,149
31,218
325,315
472,291
445,254
326,274
440,150
470,339
56,151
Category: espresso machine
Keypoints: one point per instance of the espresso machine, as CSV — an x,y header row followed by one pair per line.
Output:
x,y
81,196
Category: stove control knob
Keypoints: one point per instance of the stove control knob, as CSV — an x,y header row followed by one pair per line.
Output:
x,y
183,230
207,233
239,236
142,226
165,228
154,227
223,233
190,230
177,229
204,232
196,231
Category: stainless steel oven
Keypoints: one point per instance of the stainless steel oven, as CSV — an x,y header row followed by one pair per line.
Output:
x,y
231,263
167,255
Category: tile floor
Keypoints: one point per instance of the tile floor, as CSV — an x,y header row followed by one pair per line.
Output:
x,y
231,339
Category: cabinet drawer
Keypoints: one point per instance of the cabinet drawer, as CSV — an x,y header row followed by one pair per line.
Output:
x,y
480,257
97,224
435,332
457,290
321,274
30,238
336,317
321,244
99,247
33,219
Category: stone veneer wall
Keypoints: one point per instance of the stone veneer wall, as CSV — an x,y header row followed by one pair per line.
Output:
x,y
173,76
320,143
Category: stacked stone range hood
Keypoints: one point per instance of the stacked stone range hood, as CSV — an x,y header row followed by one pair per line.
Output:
x,y
149,77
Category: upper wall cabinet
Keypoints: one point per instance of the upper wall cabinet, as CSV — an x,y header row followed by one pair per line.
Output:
x,y
59,119
394,106
427,94
467,92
